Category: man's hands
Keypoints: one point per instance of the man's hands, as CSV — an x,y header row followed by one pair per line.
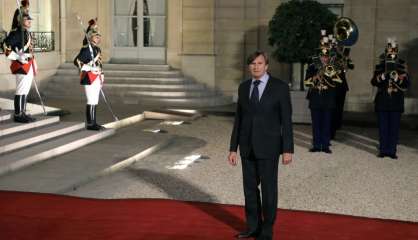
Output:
x,y
233,158
286,158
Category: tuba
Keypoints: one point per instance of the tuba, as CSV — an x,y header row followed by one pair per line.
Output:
x,y
346,31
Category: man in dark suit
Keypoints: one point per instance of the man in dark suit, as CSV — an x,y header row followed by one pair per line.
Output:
x,y
262,131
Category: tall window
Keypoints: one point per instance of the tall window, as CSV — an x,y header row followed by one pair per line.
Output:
x,y
40,10
144,17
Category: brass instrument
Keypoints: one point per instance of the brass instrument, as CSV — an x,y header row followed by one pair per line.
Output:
x,y
394,75
346,34
329,71
394,68
346,31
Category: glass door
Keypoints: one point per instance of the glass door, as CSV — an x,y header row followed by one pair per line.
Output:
x,y
139,31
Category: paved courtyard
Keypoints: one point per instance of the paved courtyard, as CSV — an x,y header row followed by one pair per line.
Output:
x,y
350,181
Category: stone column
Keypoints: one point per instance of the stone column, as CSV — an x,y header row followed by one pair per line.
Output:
x,y
198,56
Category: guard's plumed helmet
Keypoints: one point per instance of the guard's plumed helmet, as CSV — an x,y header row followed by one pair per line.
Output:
x,y
92,30
392,46
21,13
326,42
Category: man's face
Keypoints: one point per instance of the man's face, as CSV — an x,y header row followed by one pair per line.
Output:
x,y
325,59
27,23
258,67
95,39
392,52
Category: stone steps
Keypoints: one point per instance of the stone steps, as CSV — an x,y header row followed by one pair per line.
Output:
x,y
179,102
18,160
136,83
74,79
126,73
38,135
132,67
5,115
9,127
69,171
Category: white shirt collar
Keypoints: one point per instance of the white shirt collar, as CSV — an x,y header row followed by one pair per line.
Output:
x,y
263,78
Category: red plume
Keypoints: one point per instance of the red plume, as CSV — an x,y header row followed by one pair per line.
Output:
x,y
92,22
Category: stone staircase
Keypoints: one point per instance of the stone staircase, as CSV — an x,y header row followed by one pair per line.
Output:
x,y
22,145
139,84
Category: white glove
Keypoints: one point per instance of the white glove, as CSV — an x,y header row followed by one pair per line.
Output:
x,y
96,70
22,57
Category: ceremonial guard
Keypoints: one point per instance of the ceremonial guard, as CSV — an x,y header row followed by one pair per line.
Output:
x,y
321,78
91,75
392,80
18,48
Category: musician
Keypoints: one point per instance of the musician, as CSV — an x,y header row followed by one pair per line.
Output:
x,y
321,78
392,80
341,89
18,48
91,75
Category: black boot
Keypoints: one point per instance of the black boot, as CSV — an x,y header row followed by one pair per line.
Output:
x,y
91,118
19,116
28,117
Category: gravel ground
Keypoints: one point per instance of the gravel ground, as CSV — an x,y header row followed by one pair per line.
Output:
x,y
351,180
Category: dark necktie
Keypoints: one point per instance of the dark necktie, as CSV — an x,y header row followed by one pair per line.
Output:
x,y
255,96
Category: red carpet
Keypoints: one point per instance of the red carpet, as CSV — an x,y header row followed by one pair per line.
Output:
x,y
44,216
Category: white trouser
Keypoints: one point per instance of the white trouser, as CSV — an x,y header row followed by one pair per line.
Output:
x,y
93,91
24,82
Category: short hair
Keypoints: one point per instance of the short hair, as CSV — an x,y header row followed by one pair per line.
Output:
x,y
256,54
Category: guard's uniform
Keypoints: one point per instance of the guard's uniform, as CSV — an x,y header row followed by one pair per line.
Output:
x,y
18,48
91,76
389,103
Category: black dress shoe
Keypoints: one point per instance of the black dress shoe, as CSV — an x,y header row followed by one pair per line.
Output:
x,y
264,238
20,119
95,127
29,118
247,234
314,149
381,155
327,150
393,156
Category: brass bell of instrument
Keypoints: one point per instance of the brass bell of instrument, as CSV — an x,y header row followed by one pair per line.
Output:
x,y
346,31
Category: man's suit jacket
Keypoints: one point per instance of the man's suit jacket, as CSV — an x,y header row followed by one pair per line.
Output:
x,y
265,128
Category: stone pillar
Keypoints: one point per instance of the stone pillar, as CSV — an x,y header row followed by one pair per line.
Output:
x,y
63,29
363,54
74,33
174,33
198,58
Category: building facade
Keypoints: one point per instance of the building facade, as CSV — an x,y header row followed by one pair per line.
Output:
x,y
208,40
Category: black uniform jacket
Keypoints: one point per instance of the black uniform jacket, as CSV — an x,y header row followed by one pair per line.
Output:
x,y
84,57
393,102
264,128
15,40
320,99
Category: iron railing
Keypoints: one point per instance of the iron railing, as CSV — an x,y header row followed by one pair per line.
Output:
x,y
42,41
